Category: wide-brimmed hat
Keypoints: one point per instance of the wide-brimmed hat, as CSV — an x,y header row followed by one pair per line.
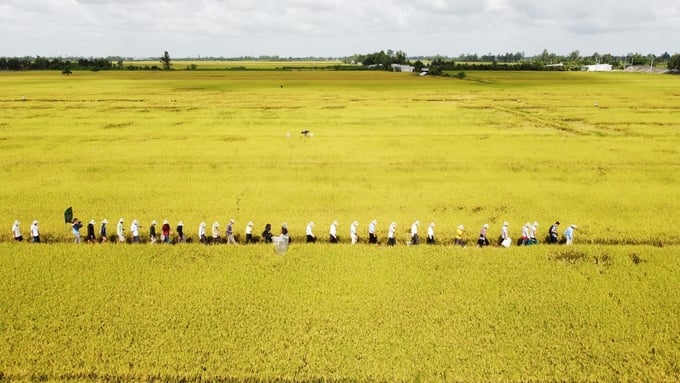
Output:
x,y
35,221
505,223
165,221
153,222
461,227
486,226
432,224
105,220
180,223
121,220
91,222
216,223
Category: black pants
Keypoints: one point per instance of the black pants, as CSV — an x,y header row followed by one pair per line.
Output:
x,y
249,238
391,241
430,240
332,239
372,238
415,240
311,239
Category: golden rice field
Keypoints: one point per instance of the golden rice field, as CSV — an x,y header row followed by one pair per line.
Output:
x,y
599,150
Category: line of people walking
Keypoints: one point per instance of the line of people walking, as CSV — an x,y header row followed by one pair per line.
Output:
x,y
164,234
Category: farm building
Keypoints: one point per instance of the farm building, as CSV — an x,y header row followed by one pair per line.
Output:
x,y
402,68
598,68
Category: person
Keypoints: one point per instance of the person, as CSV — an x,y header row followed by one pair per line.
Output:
x,y
16,231
554,236
35,232
391,234
267,233
310,235
180,231
152,231
525,234
165,231
532,233
201,233
430,234
483,240
414,233
569,234
230,232
372,237
504,239
102,231
353,232
216,232
76,226
249,232
120,231
90,232
333,232
134,230
460,239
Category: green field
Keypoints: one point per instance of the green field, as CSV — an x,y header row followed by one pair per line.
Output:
x,y
599,150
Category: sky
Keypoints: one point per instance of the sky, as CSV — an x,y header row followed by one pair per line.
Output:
x,y
335,28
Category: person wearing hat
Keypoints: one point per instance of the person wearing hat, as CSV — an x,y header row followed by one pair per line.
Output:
x,y
249,232
76,226
201,233
430,234
554,236
353,232
532,234
90,232
483,240
372,237
460,236
504,239
414,233
215,232
525,235
333,232
152,231
569,234
102,231
180,231
230,232
267,233
134,230
16,231
310,234
391,234
120,231
35,232
165,231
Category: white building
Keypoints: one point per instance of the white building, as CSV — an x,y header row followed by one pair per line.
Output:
x,y
402,68
598,68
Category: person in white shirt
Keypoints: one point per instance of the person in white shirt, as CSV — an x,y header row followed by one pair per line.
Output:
x,y
201,233
310,234
391,233
230,232
532,233
414,233
35,232
483,240
504,239
249,232
16,231
353,232
569,235
134,230
372,237
216,232
525,234
333,232
430,234
120,231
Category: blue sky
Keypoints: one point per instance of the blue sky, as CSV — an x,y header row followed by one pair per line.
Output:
x,y
334,28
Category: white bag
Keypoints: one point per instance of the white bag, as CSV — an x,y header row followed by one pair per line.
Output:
x,y
506,242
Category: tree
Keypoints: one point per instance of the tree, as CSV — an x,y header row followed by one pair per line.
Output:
x,y
165,60
674,62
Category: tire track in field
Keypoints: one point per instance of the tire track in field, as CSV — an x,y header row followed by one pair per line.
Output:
x,y
559,126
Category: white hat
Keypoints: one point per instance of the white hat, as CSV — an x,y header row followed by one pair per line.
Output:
x,y
202,223
91,221
311,223
250,223
16,222
375,222
486,226
461,227
393,223
573,226
432,224
527,224
231,220
134,221
105,220
216,224
121,220
535,223
505,223
165,221
335,223
35,221
153,222
355,223
417,222
180,223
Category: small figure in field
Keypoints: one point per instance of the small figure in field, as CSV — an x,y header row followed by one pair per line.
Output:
x,y
554,236
525,234
35,231
532,234
505,239
415,240
284,232
372,237
165,232
353,232
152,232
16,231
102,231
310,234
230,232
216,232
201,233
333,232
430,234
460,239
90,232
120,231
76,226
267,233
483,240
180,232
134,230
391,234
569,235
249,232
